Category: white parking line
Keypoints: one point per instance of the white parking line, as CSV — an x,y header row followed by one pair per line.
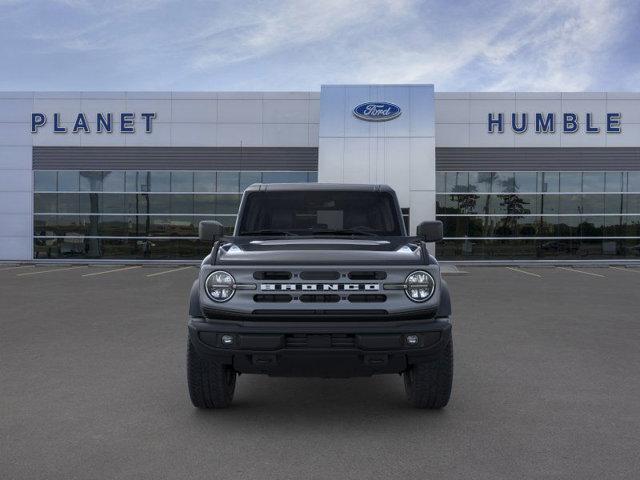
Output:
x,y
111,271
581,271
168,271
522,271
632,270
50,271
15,268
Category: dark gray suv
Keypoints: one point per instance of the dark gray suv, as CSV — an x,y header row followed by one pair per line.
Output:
x,y
320,280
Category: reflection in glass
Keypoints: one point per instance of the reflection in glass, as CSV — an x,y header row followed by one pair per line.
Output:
x,y
204,181
159,181
228,181
68,181
113,181
45,181
182,181
549,182
571,181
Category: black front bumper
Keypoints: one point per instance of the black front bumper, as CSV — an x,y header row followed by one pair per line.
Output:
x,y
319,349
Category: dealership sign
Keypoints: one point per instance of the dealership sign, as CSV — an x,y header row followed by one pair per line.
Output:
x,y
100,123
377,111
551,122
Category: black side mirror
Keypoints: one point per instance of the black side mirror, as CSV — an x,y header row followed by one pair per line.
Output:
x,y
430,231
210,231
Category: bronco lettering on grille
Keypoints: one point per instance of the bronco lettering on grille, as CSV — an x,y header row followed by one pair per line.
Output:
x,y
323,287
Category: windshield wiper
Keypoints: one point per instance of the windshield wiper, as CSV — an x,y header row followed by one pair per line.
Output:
x,y
270,232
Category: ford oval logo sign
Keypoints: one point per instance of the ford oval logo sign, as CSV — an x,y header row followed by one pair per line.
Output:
x,y
377,111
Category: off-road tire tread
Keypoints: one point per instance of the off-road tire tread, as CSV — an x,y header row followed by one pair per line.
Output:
x,y
428,385
209,385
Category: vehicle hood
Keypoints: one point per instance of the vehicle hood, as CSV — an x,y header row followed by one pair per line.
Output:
x,y
320,251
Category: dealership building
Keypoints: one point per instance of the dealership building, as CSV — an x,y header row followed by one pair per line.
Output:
x,y
128,175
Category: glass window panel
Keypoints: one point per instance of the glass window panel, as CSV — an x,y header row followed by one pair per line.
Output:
x,y
569,226
68,181
571,181
592,203
548,226
570,203
441,203
455,226
227,204
498,204
204,181
593,181
113,181
527,226
613,182
440,181
518,204
181,204
45,203
633,182
204,204
526,182
284,177
45,181
182,181
549,204
113,226
467,203
45,225
504,226
228,182
313,177
613,203
504,182
631,203
159,182
91,203
591,226
136,181
457,181
631,226
172,226
549,182
480,181
248,178
614,226
134,203
90,181
158,203
113,203
68,203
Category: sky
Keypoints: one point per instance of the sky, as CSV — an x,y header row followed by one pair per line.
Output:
x,y
183,45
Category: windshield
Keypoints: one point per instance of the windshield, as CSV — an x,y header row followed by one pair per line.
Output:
x,y
319,213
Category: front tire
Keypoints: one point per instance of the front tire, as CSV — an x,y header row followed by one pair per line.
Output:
x,y
428,384
211,384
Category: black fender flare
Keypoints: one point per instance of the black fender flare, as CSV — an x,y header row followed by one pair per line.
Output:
x,y
194,300
444,308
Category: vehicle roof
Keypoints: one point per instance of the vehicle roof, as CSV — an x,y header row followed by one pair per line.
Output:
x,y
307,187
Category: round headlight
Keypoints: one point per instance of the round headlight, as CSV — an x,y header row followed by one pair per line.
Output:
x,y
220,286
419,286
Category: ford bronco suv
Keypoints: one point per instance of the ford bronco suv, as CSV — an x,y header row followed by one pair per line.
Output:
x,y
319,280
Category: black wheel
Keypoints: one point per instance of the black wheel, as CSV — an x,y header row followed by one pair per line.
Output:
x,y
428,384
211,384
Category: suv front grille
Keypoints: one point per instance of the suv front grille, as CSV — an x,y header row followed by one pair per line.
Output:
x,y
320,341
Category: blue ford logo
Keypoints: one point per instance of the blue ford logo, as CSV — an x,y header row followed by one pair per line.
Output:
x,y
377,111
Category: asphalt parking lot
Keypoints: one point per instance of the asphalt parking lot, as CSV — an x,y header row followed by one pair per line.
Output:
x,y
93,386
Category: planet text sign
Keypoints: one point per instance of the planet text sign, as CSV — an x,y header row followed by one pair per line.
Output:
x,y
99,123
